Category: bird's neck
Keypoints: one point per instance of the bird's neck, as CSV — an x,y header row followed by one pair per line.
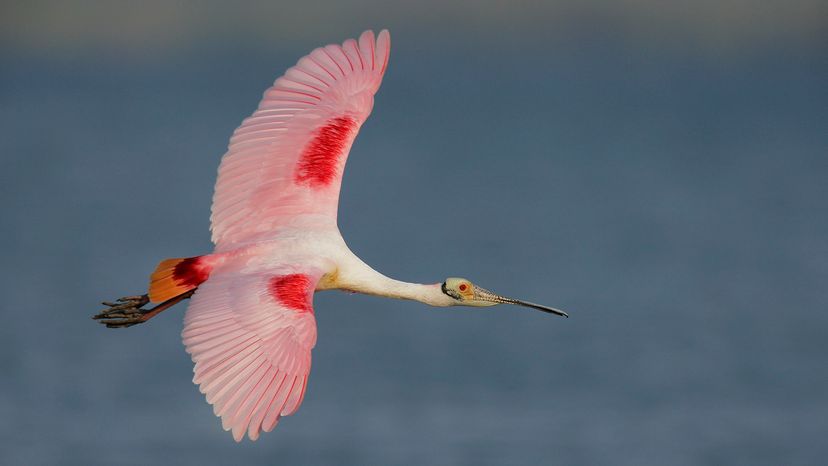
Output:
x,y
424,293
361,278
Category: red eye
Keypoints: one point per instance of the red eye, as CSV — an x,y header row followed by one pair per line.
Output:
x,y
462,287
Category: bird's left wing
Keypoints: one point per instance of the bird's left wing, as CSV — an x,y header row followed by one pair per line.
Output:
x,y
287,158
250,335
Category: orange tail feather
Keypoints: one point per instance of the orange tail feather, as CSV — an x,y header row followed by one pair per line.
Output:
x,y
176,276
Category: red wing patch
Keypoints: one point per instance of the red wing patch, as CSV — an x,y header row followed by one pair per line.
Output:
x,y
319,163
292,291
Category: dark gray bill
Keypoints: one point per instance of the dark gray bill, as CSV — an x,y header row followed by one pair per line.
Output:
x,y
486,295
548,309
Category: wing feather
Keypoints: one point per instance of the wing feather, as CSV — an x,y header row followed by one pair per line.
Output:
x,y
268,402
274,412
258,188
257,411
252,346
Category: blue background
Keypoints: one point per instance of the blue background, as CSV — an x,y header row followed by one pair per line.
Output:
x,y
656,169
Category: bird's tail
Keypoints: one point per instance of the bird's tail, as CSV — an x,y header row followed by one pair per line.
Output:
x,y
174,277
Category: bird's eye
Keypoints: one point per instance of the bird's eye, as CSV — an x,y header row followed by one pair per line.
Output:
x,y
463,287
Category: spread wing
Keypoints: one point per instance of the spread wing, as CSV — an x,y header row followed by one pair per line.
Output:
x,y
287,158
250,335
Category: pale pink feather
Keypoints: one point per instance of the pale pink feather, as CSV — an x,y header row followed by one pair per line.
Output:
x,y
257,190
252,352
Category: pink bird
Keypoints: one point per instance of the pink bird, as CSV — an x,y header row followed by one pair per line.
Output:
x,y
250,327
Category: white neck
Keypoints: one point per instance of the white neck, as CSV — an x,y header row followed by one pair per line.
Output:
x,y
361,278
427,294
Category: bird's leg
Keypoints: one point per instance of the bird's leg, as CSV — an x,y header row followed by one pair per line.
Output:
x,y
128,311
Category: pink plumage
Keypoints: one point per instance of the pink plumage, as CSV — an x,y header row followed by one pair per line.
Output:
x,y
252,347
293,291
287,158
319,163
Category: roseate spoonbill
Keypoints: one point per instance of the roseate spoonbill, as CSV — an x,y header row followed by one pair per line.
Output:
x,y
250,327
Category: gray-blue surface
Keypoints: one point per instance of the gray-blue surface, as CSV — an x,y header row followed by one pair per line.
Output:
x,y
674,204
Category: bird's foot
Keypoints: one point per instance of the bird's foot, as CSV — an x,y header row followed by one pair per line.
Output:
x,y
129,310
124,312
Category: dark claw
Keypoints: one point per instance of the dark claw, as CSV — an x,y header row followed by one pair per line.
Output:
x,y
143,299
124,312
129,310
121,323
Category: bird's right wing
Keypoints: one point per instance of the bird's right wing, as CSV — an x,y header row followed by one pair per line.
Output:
x,y
288,157
250,335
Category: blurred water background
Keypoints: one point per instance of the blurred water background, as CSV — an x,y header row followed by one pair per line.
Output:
x,y
657,169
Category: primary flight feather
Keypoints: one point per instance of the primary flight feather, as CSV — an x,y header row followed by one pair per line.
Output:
x,y
250,327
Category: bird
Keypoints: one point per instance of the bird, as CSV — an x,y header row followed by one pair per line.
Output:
x,y
250,325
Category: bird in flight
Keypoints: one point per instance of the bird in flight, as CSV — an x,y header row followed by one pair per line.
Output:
x,y
250,326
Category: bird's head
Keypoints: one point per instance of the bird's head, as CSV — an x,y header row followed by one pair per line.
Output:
x,y
466,293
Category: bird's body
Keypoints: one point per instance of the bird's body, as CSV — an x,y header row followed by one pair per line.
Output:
x,y
250,326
